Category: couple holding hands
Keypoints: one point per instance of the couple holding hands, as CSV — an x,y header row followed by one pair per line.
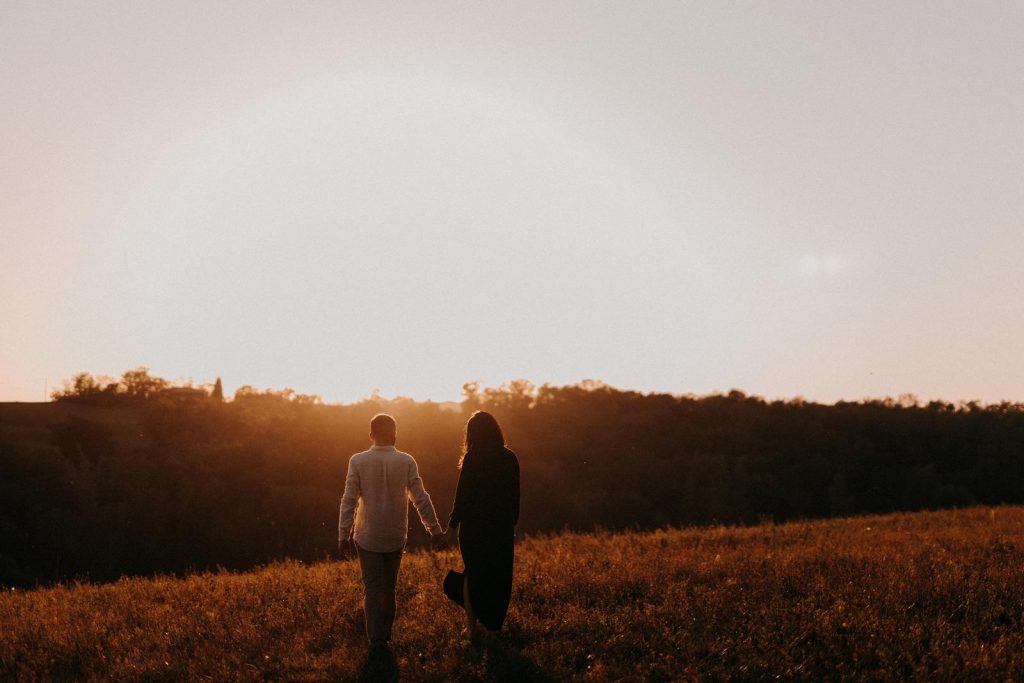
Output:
x,y
373,523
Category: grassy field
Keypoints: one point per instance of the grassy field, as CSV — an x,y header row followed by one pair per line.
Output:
x,y
936,596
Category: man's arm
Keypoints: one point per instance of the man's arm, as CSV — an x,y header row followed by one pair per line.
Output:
x,y
421,500
347,510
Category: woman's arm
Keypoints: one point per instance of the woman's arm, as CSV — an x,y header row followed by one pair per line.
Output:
x,y
514,490
459,505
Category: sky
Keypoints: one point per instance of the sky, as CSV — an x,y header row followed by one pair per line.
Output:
x,y
817,199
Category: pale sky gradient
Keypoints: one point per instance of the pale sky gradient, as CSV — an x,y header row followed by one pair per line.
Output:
x,y
812,198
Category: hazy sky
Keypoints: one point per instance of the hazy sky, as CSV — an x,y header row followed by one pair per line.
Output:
x,y
792,198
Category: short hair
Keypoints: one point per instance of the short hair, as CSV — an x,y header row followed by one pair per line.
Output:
x,y
383,424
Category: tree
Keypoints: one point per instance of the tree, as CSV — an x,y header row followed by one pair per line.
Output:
x,y
85,384
138,383
218,391
82,385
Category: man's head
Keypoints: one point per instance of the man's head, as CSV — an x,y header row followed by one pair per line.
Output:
x,y
383,429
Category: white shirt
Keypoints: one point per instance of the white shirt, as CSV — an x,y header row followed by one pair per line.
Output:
x,y
382,480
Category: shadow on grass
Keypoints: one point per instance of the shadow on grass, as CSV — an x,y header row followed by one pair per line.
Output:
x,y
380,665
504,661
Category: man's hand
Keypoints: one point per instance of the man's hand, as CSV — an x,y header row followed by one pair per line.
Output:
x,y
347,548
438,541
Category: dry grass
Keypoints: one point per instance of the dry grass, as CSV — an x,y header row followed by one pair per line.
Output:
x,y
934,596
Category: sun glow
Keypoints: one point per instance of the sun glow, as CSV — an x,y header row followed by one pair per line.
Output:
x,y
408,202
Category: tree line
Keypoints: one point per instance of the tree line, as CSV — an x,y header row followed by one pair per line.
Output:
x,y
139,476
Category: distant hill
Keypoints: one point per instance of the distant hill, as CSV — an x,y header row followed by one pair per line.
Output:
x,y
141,478
32,423
925,596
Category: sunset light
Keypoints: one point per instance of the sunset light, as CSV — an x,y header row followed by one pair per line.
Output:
x,y
532,341
813,201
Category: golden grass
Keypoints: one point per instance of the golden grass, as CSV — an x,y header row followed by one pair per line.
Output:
x,y
937,596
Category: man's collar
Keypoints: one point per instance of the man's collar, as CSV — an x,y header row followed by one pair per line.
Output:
x,y
375,447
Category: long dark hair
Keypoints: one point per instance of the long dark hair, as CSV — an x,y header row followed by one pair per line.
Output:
x,y
483,433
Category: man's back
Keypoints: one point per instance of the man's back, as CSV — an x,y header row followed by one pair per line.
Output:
x,y
382,480
379,482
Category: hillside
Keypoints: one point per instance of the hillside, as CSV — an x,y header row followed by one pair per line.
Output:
x,y
177,481
934,595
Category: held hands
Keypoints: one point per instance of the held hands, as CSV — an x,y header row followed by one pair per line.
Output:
x,y
445,539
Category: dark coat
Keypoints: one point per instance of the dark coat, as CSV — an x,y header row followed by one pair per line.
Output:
x,y
486,511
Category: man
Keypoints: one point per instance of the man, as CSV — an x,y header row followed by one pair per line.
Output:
x,y
381,480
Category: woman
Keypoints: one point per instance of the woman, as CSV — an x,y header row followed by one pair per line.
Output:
x,y
486,512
